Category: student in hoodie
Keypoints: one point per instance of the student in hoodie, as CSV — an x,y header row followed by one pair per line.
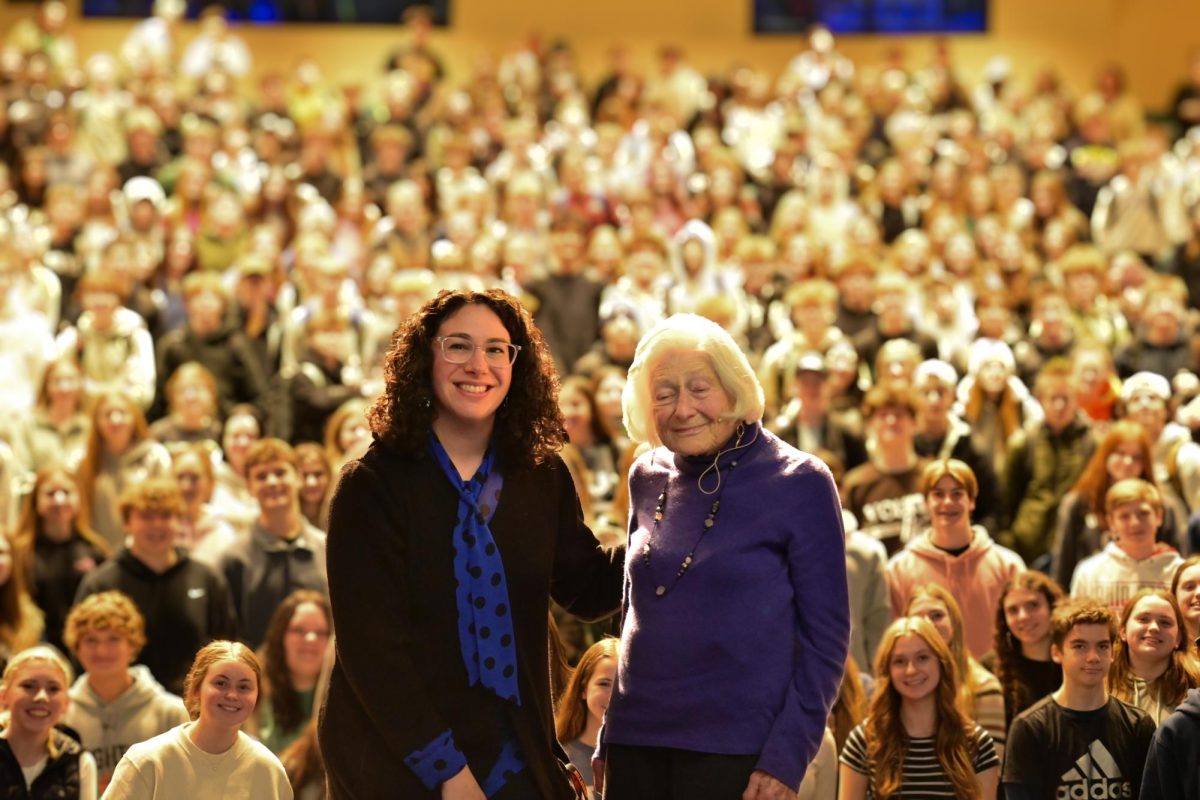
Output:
x,y
1145,397
185,603
1152,667
1135,560
282,552
1185,586
1170,772
114,704
954,553
210,338
1082,528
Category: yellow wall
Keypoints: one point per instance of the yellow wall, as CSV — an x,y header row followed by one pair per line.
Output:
x,y
1149,37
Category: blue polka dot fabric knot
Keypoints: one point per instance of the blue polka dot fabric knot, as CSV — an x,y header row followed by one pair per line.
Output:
x,y
485,631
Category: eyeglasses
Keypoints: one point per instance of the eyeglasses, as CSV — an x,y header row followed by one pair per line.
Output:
x,y
460,350
304,633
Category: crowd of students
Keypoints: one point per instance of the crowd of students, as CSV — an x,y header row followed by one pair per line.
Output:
x,y
977,302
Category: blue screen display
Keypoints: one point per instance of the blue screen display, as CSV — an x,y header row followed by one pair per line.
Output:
x,y
371,12
871,16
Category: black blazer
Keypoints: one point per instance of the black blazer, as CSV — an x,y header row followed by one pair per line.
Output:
x,y
398,680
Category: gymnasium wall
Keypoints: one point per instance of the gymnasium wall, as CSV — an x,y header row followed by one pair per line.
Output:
x,y
1149,37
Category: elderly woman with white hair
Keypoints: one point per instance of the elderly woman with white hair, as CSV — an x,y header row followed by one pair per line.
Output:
x,y
736,610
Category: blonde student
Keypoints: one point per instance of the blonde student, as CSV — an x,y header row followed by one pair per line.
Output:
x,y
36,759
209,756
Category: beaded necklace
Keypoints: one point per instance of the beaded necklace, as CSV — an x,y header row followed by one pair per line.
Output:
x,y
710,520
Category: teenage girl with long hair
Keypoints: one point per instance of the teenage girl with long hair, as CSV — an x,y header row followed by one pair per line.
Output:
x,y
1186,588
980,696
581,709
1021,655
916,742
1152,667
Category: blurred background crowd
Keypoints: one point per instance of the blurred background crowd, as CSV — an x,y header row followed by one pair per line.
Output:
x,y
202,248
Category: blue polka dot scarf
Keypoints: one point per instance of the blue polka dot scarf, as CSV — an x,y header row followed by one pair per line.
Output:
x,y
485,631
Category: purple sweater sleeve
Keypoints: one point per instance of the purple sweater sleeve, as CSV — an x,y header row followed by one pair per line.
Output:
x,y
817,568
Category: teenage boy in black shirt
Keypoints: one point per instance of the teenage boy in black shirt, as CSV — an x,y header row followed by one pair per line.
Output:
x,y
1078,742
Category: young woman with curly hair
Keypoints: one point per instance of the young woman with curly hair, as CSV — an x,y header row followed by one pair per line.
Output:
x,y
423,538
1152,666
916,742
1021,655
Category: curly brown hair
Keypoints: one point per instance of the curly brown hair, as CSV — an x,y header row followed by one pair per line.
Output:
x,y
529,426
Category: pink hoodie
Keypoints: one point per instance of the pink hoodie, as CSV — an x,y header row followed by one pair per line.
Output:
x,y
975,578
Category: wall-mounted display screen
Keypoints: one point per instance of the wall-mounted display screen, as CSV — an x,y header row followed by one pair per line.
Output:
x,y
871,16
370,12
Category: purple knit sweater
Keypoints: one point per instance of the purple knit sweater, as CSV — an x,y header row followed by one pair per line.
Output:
x,y
744,654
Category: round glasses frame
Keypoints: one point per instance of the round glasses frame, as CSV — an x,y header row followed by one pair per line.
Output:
x,y
460,350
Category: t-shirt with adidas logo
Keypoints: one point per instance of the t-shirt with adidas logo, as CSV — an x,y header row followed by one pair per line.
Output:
x,y
1057,753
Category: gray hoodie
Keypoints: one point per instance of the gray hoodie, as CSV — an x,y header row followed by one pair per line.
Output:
x,y
107,730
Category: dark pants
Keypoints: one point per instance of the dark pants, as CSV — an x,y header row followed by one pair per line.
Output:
x,y
664,773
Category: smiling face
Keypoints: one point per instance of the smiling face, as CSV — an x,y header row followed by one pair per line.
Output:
x,y
36,697
1124,462
1027,614
1188,595
1152,631
152,531
274,484
950,505
1085,655
690,405
1135,523
304,642
598,691
227,695
913,668
470,394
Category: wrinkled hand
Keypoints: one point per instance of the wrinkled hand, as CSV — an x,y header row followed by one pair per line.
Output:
x,y
764,787
462,786
598,775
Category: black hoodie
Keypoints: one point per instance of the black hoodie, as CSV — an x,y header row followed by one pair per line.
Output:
x,y
1173,763
185,607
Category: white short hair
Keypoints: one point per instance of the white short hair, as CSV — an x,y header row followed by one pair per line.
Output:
x,y
689,332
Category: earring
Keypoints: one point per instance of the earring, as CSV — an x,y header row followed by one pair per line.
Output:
x,y
426,402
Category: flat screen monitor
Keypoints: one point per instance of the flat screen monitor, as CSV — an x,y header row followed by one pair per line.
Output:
x,y
871,16
268,12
